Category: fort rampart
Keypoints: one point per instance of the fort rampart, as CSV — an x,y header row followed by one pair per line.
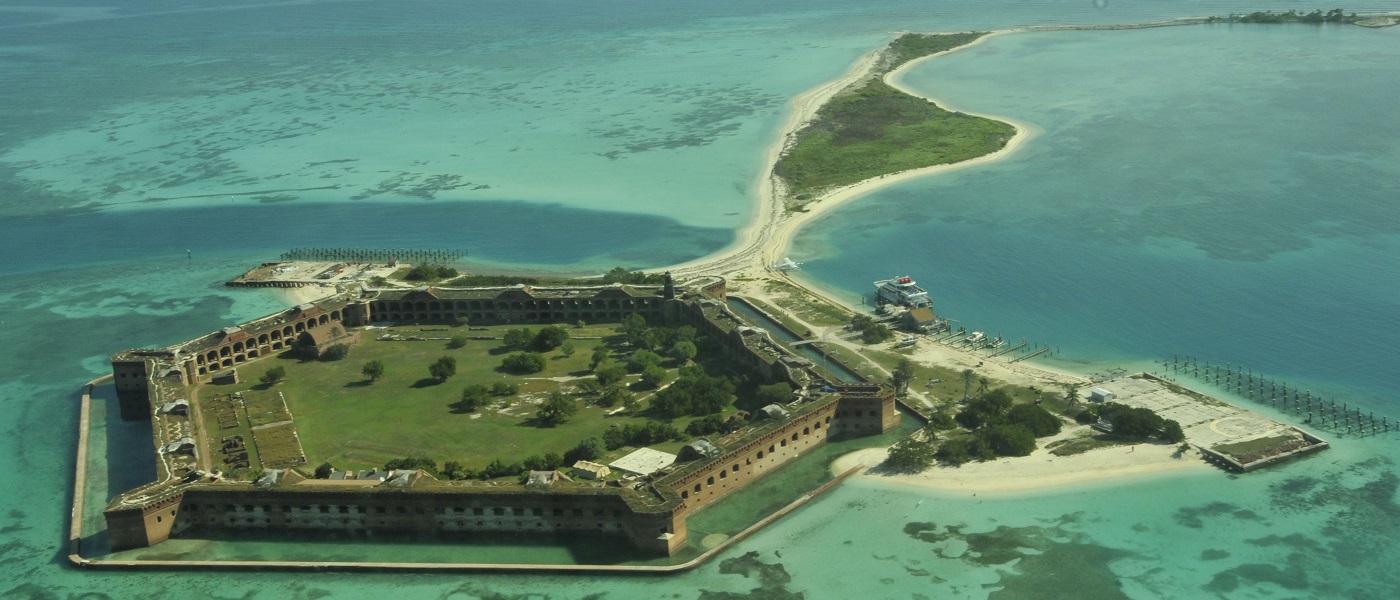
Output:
x,y
650,516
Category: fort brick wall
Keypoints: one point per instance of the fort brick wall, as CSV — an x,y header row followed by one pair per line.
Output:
x,y
866,409
652,518
736,468
143,525
224,506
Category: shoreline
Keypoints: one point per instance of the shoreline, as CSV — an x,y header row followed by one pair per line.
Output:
x,y
1040,471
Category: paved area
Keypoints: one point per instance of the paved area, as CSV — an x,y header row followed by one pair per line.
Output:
x,y
1206,422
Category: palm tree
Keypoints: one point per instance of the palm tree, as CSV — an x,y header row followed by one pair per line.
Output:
x,y
1072,394
967,377
982,385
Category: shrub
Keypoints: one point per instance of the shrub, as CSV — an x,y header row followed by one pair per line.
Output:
x,y
336,352
413,462
705,425
910,456
695,393
609,373
501,388
454,470
474,397
588,449
497,468
548,461
641,359
612,395
953,452
524,362
941,421
653,376
653,432
373,370
443,368
683,351
549,338
517,338
274,375
1035,419
557,409
324,471
430,272
457,341
1008,440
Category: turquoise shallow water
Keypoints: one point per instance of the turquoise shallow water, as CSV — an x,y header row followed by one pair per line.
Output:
x,y
1227,192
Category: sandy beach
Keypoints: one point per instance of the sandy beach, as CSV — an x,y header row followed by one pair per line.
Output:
x,y
1039,471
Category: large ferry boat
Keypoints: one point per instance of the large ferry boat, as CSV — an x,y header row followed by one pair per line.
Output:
x,y
902,291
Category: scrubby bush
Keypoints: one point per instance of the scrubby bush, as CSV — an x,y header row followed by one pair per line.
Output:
x,y
653,376
549,338
910,456
430,272
588,449
335,352
653,432
524,362
641,359
705,425
609,373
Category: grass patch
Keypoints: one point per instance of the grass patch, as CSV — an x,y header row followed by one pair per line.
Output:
x,y
1255,447
343,419
783,317
875,130
805,306
1080,445
278,446
265,407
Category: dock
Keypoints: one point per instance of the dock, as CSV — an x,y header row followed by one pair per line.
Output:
x,y
294,274
1228,436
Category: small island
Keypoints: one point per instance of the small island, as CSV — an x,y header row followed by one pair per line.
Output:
x,y
871,128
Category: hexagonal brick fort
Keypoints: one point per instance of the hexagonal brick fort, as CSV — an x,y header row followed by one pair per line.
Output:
x,y
151,383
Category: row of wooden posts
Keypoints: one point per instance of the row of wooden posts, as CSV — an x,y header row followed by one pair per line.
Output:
x,y
410,255
1255,386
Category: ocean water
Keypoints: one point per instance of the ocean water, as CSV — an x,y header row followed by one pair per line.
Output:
x,y
1221,191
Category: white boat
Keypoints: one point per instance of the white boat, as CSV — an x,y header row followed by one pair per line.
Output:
x,y
903,292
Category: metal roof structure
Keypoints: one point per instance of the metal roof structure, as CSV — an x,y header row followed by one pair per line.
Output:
x,y
643,462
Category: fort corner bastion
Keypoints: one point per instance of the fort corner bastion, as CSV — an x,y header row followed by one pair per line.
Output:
x,y
157,384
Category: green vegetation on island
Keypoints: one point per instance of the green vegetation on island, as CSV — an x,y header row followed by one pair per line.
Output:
x,y
1335,15
872,129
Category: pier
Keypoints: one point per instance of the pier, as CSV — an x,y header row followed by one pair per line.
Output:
x,y
384,255
1348,419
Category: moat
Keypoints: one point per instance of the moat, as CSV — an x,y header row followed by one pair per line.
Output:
x,y
233,459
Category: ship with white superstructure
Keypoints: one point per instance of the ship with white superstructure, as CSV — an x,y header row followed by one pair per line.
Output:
x,y
901,291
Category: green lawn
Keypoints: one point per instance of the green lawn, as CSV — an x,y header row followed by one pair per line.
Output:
x,y
343,419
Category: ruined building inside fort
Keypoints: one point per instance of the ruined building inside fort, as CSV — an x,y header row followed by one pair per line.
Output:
x,y
155,384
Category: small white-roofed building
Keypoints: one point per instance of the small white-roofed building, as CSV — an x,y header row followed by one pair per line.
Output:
x,y
643,462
